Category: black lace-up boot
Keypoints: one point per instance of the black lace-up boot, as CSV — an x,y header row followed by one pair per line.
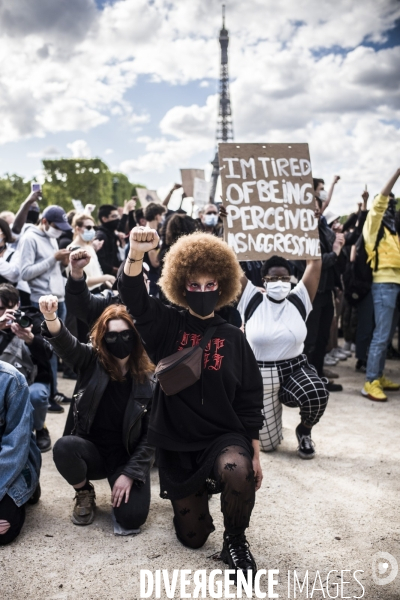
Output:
x,y
236,554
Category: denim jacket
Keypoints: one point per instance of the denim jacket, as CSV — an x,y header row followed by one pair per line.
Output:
x,y
20,459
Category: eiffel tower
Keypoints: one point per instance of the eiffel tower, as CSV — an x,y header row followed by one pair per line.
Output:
x,y
224,122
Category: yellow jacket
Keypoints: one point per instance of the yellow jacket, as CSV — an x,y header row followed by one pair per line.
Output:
x,y
388,248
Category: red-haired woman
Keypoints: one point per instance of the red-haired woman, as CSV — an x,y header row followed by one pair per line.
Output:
x,y
111,411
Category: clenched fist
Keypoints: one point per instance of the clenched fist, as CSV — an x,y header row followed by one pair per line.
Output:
x,y
143,239
48,306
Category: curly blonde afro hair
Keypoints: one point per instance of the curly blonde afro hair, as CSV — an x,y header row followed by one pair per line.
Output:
x,y
200,254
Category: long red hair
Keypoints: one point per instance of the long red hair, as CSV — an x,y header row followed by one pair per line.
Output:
x,y
139,364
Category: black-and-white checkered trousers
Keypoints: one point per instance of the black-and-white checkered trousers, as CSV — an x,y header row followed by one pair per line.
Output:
x,y
294,383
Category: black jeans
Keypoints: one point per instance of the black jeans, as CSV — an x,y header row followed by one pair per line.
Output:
x,y
78,459
318,330
233,471
15,515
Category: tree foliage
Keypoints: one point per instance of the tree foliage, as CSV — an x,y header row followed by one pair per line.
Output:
x,y
13,191
88,180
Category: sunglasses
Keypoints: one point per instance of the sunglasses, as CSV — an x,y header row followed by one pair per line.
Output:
x,y
211,213
112,336
273,279
88,227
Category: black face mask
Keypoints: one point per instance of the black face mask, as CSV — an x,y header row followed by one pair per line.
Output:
x,y
120,344
202,303
111,225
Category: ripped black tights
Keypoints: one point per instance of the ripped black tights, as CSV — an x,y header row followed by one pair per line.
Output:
x,y
233,471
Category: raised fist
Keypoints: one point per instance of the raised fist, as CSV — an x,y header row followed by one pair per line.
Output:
x,y
48,305
143,239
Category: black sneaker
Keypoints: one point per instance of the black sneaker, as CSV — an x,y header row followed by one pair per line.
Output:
x,y
361,366
55,407
236,554
43,441
61,398
34,499
306,449
333,387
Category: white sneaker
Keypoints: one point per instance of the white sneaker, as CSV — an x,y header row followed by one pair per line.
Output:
x,y
344,349
338,354
329,361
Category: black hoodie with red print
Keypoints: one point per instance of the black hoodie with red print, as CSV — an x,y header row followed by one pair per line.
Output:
x,y
228,398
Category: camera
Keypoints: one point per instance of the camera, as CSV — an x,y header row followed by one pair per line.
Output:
x,y
22,319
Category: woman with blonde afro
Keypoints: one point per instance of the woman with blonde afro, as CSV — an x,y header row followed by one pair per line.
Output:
x,y
207,434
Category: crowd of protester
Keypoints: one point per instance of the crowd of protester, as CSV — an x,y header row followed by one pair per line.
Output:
x,y
104,298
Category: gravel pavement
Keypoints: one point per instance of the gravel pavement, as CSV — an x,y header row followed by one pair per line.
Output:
x,y
331,513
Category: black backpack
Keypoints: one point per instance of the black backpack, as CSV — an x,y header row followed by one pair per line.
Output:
x,y
357,278
258,298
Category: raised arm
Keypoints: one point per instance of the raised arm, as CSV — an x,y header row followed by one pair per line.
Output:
x,y
84,305
375,215
21,216
330,193
64,344
168,197
312,276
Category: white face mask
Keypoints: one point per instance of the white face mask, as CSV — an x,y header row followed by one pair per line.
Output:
x,y
88,235
278,290
52,232
210,220
323,195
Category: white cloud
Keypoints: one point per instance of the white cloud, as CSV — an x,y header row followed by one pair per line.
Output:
x,y
108,151
80,149
299,70
48,151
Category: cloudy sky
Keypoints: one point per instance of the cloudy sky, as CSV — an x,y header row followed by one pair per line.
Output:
x,y
135,82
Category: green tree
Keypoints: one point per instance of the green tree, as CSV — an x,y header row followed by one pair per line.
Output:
x,y
88,180
13,191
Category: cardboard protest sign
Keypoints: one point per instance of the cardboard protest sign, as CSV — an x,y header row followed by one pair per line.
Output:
x,y
267,190
201,192
188,177
146,196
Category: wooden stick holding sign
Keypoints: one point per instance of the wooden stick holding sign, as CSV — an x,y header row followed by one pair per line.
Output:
x,y
267,190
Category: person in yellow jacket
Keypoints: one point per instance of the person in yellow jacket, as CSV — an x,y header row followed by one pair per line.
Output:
x,y
384,258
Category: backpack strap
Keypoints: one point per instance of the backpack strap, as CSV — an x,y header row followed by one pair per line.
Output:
x,y
298,303
252,305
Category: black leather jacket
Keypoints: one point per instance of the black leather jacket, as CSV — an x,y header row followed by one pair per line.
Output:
x,y
91,384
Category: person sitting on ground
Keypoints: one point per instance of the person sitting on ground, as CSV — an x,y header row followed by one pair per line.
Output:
x,y
383,249
111,408
40,266
20,458
213,445
276,330
108,255
22,345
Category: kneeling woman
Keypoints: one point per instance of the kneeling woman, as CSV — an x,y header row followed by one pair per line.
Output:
x,y
111,411
207,433
276,330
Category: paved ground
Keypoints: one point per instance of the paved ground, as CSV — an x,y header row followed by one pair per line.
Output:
x,y
334,512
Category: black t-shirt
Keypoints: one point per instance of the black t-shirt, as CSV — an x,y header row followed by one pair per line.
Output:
x,y
106,431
